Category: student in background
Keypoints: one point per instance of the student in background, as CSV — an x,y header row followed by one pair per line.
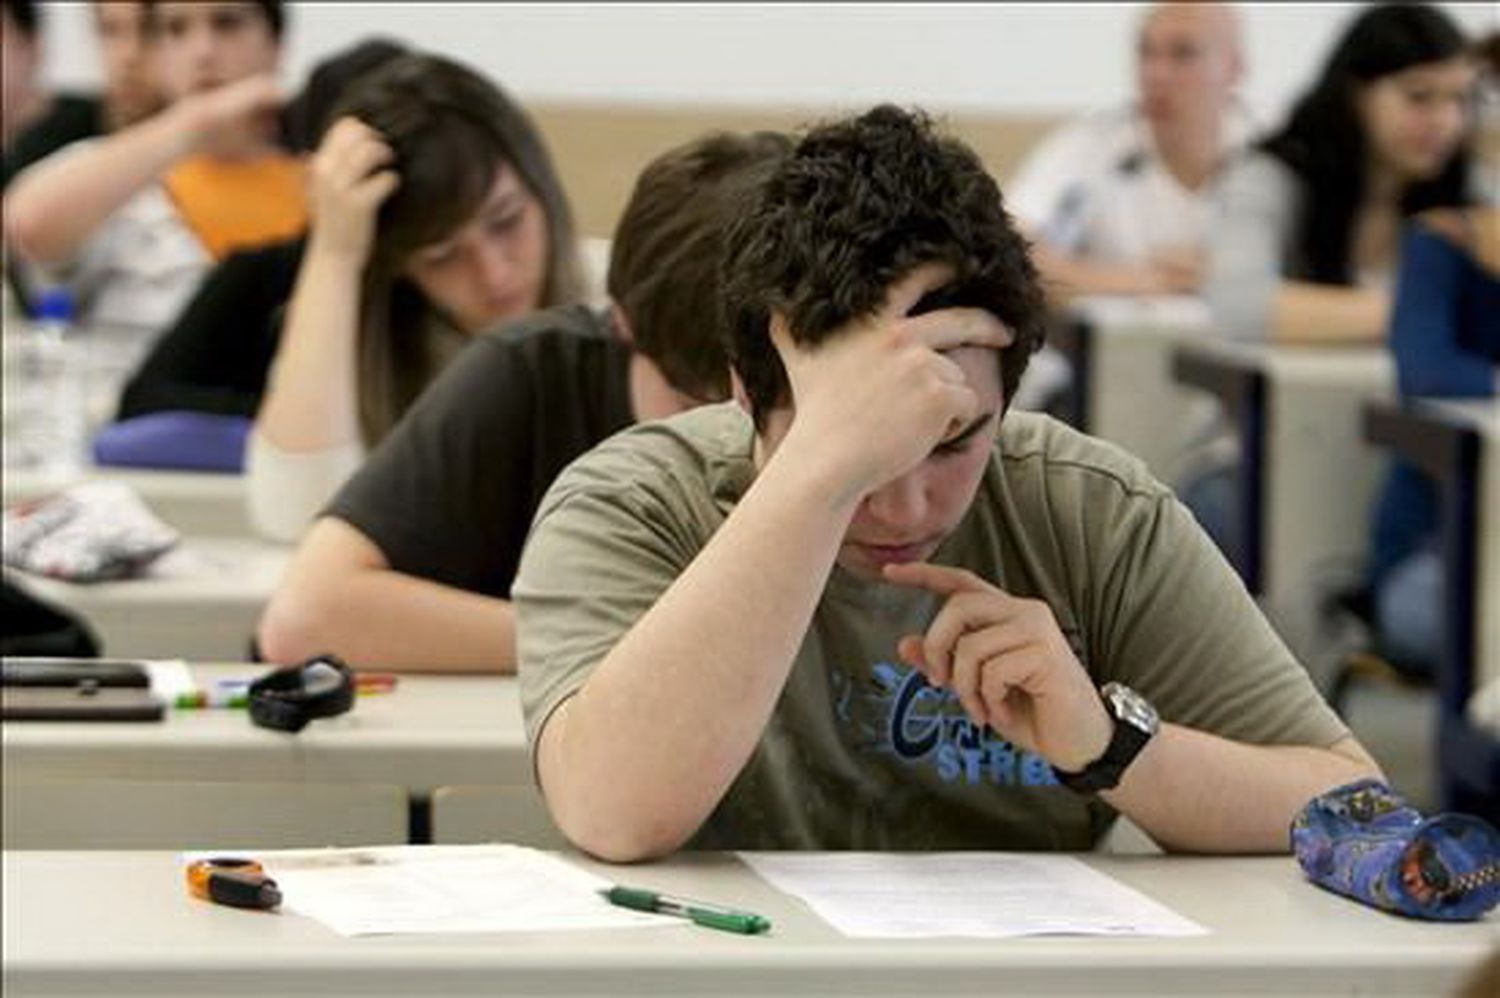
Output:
x,y
134,221
1118,202
437,215
873,612
131,93
1306,239
411,566
1445,335
25,102
216,355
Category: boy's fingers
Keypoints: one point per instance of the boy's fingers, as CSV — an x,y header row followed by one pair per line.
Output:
x,y
966,677
952,328
941,579
909,650
909,290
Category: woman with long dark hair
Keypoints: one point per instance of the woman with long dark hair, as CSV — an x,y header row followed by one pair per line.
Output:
x,y
437,215
1307,241
1445,340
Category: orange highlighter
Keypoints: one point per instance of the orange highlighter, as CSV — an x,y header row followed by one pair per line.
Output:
x,y
374,682
239,883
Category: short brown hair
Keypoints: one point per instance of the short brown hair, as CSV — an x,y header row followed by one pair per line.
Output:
x,y
664,262
858,204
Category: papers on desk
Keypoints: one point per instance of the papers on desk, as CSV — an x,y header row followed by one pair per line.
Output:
x,y
422,889
916,895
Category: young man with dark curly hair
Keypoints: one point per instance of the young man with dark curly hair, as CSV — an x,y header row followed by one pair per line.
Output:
x,y
873,614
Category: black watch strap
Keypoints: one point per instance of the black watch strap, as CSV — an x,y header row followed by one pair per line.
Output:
x,y
1104,772
287,699
1135,723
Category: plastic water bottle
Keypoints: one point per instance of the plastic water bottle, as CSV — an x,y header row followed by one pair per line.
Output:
x,y
45,422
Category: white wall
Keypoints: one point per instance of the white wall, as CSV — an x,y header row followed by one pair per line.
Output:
x,y
997,57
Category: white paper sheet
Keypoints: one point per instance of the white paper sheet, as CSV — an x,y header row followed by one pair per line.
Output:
x,y
170,678
424,889
915,895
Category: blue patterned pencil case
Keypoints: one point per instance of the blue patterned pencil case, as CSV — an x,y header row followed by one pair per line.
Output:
x,y
1364,841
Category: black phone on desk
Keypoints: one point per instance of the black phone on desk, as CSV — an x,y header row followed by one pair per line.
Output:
x,y
99,672
80,703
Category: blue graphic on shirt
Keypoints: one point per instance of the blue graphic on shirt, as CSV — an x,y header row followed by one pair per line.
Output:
x,y
926,726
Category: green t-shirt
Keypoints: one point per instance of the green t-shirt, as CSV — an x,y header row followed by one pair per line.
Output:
x,y
860,753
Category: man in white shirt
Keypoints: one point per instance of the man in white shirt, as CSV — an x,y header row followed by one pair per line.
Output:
x,y
1118,202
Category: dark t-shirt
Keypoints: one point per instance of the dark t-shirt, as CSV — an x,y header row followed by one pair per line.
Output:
x,y
449,494
217,355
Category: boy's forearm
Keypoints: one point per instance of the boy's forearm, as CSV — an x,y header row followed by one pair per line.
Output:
x,y
56,206
635,762
1196,792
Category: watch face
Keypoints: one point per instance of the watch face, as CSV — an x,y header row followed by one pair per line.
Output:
x,y
1130,707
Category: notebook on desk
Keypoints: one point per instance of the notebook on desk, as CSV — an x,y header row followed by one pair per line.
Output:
x,y
79,703
65,689
111,672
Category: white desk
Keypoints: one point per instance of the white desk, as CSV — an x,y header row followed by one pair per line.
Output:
x,y
430,732
1458,445
201,601
1307,477
199,504
1123,390
122,923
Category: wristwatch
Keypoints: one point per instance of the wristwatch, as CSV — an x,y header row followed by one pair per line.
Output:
x,y
1135,722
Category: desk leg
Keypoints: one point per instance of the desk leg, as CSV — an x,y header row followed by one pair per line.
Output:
x,y
1254,424
419,820
1074,339
1463,765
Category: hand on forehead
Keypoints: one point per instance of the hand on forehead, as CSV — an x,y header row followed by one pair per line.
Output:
x,y
939,315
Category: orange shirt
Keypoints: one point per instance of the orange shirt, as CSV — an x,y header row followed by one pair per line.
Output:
x,y
231,205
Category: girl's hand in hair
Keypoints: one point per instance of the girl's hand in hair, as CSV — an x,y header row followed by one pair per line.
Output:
x,y
348,181
226,112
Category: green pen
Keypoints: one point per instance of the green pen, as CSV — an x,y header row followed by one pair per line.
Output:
x,y
710,915
200,699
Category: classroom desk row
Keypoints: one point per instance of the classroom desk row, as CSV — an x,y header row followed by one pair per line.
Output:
x,y
1150,375
1120,351
121,923
198,504
438,757
1314,429
200,601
